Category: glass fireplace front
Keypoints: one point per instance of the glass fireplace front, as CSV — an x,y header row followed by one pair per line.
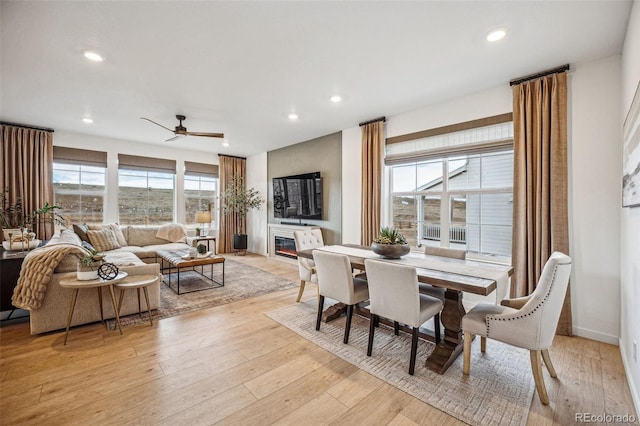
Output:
x,y
285,247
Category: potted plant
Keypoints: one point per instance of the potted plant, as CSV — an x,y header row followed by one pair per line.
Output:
x,y
390,244
197,231
87,267
202,250
14,220
238,199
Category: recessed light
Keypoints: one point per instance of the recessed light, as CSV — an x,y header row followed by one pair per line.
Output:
x,y
336,98
225,143
496,35
93,56
87,120
293,116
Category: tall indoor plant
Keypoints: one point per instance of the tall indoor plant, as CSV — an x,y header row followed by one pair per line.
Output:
x,y
239,200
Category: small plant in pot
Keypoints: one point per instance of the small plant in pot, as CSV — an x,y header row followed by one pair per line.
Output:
x,y
390,244
202,250
197,232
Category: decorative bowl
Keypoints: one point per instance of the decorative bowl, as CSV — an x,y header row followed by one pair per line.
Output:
x,y
390,251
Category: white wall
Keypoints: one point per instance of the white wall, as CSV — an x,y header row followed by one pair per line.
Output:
x,y
595,197
113,147
630,222
257,219
351,185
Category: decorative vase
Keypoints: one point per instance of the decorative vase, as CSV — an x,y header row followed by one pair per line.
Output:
x,y
240,242
86,274
390,251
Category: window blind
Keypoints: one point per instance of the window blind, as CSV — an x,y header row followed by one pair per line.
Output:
x,y
134,162
200,169
79,156
468,140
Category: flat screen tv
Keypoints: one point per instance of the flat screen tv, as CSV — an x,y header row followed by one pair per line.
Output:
x,y
298,197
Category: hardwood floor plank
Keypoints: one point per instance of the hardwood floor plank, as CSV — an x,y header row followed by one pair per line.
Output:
x,y
319,411
401,420
617,397
424,414
379,407
283,402
355,388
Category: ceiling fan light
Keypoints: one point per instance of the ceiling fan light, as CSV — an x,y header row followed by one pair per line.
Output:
x,y
93,56
497,34
293,116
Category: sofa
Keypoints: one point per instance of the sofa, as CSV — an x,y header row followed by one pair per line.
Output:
x,y
137,257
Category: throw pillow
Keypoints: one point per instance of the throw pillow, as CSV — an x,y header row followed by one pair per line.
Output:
x,y
88,246
118,233
81,231
103,240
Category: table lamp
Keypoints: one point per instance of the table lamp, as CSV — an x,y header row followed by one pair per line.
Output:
x,y
203,218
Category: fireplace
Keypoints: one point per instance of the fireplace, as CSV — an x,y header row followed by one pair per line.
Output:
x,y
285,247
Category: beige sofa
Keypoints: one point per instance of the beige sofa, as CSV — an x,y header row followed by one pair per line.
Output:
x,y
137,258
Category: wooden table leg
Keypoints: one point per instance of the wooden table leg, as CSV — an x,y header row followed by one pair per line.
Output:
x,y
115,307
334,312
451,345
70,316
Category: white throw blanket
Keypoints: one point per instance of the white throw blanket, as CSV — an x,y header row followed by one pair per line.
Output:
x,y
173,232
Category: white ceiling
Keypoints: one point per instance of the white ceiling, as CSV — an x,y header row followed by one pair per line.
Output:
x,y
241,67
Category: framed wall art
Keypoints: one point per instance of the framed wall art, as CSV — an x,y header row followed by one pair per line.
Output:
x,y
631,154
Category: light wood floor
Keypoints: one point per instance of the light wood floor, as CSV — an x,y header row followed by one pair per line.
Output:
x,y
233,365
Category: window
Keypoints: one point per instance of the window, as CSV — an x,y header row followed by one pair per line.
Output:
x,y
146,190
200,194
79,178
460,199
79,190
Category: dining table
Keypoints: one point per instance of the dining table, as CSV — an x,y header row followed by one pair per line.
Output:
x,y
455,276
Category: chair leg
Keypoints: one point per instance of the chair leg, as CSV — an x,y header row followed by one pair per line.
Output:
x,y
537,377
372,329
483,344
436,326
396,328
347,327
466,364
320,308
301,291
414,349
376,323
547,361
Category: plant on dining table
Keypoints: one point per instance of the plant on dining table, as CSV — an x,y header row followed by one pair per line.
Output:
x,y
390,244
389,235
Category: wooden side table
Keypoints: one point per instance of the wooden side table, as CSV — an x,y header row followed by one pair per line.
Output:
x,y
137,282
76,284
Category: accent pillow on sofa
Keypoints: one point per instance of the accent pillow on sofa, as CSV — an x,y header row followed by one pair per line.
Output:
x,y
81,231
103,239
116,231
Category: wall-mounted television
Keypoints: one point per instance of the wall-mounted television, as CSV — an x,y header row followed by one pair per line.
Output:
x,y
298,197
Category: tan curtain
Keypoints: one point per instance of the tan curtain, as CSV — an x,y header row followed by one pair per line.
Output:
x,y
26,156
229,167
540,218
372,158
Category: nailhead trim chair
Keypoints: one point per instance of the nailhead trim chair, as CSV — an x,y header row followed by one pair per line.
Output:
x,y
526,322
336,281
393,291
306,240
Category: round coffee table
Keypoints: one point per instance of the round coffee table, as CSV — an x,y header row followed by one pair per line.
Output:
x,y
138,282
76,284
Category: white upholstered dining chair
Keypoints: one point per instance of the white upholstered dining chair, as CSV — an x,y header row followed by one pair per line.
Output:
x,y
336,282
393,294
307,240
527,322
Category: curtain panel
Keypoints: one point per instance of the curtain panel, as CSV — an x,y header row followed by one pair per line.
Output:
x,y
26,156
229,167
372,159
540,214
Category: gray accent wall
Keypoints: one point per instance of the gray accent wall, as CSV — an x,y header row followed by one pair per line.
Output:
x,y
322,155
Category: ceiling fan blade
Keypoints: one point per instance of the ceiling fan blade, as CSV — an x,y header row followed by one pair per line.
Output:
x,y
157,124
176,137
209,135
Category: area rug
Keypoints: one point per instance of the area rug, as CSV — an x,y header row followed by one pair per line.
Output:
x,y
241,281
497,392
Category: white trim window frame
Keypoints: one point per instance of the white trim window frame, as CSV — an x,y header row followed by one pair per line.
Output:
x,y
70,183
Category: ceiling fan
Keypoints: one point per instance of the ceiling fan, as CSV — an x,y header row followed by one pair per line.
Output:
x,y
181,131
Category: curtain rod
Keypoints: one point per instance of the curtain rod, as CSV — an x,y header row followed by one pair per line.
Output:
x,y
557,70
232,156
364,123
24,126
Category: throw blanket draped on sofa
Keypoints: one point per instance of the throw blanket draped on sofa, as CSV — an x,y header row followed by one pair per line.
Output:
x,y
37,268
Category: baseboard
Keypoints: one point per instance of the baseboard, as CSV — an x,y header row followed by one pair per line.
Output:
x,y
596,335
635,396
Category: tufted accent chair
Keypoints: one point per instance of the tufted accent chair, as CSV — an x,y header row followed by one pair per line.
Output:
x,y
306,240
528,322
